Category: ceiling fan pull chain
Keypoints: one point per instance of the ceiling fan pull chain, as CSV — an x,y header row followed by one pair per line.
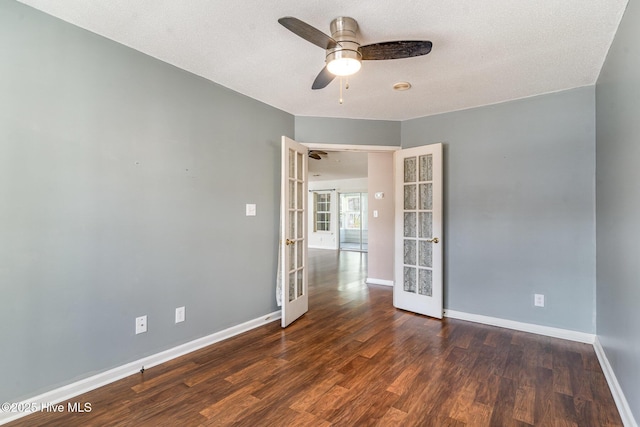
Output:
x,y
341,90
346,85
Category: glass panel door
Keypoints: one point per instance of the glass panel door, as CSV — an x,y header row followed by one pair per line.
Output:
x,y
418,260
293,240
354,225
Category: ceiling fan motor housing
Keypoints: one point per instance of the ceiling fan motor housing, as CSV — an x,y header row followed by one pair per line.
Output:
x,y
344,31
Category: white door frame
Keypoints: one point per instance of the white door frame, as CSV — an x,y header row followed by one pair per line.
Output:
x,y
355,148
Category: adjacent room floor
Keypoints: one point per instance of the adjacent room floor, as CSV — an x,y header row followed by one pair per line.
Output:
x,y
354,360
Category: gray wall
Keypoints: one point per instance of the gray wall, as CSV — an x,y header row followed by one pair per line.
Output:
x,y
519,207
123,182
347,131
618,206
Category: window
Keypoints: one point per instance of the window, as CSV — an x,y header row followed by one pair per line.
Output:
x,y
322,211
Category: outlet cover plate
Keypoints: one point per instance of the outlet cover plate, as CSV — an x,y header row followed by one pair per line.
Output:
x,y
141,324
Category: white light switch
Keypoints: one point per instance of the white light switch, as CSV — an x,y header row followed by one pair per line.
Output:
x,y
180,314
251,209
375,214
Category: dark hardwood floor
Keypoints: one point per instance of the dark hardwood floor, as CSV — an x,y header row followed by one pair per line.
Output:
x,y
354,360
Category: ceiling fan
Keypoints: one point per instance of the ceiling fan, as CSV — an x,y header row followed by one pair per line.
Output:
x,y
316,154
343,51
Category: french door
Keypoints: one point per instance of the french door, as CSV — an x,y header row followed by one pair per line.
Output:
x,y
354,227
293,229
418,230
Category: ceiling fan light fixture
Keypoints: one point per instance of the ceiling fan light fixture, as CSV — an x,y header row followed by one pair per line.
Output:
x,y
344,62
345,58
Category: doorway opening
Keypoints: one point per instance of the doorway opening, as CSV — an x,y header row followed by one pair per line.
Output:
x,y
354,223
361,227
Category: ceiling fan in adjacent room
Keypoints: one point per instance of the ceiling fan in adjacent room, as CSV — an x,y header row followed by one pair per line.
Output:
x,y
344,53
317,154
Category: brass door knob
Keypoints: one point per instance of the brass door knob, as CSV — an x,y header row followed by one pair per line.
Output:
x,y
434,240
290,242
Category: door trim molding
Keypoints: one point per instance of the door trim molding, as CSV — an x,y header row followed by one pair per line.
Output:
x,y
349,147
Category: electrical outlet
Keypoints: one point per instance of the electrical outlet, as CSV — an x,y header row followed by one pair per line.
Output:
x,y
538,300
180,314
141,324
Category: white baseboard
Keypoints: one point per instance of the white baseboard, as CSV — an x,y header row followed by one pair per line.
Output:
x,y
382,282
614,386
524,327
91,383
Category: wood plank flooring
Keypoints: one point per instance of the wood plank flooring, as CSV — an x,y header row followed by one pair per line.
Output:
x,y
354,360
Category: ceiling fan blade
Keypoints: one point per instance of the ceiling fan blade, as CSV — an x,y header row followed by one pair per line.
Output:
x,y
323,79
322,153
307,32
395,50
314,155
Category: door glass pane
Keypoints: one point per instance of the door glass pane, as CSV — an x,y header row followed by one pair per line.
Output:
x,y
299,260
425,282
292,225
425,254
426,196
410,252
410,197
292,164
292,257
300,225
292,286
410,169
299,195
300,287
426,224
299,165
409,224
426,168
410,279
292,194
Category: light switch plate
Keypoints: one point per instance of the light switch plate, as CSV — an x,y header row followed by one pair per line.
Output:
x,y
180,312
251,209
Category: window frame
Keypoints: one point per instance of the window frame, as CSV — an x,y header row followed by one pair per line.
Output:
x,y
326,203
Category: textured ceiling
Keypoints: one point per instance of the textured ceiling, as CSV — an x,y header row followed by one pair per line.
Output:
x,y
339,165
484,52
